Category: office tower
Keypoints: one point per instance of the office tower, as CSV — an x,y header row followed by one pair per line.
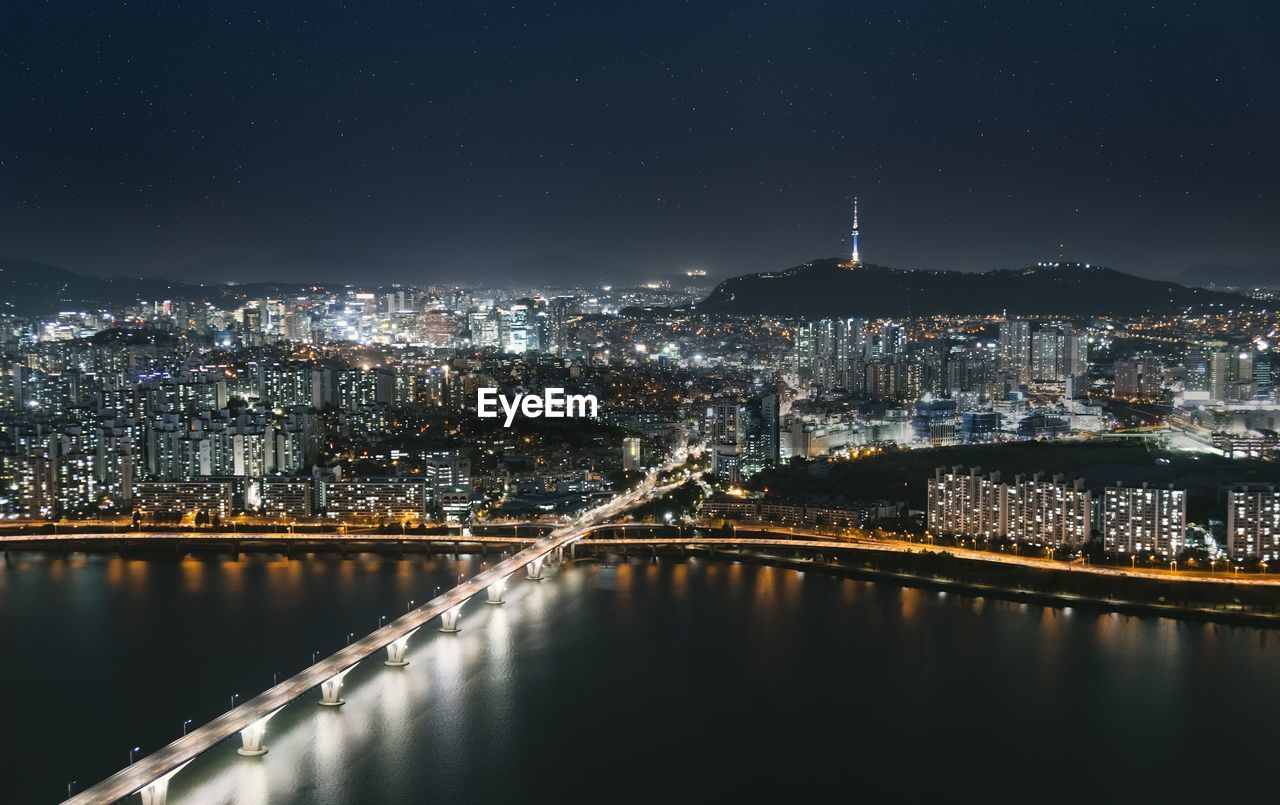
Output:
x,y
1262,373
631,453
447,471
1219,375
760,437
559,312
935,420
746,436
251,321
980,426
1196,363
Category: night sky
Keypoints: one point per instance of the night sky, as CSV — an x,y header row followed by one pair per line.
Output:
x,y
473,140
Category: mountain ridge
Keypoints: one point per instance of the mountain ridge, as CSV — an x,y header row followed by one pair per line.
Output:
x,y
827,288
34,287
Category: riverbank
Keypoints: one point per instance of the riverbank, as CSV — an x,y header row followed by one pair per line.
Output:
x,y
1185,599
1250,600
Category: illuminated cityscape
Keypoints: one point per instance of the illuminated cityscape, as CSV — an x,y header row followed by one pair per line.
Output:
x,y
489,394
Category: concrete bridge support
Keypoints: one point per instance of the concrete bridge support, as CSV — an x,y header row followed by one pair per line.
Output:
x,y
495,591
396,651
252,735
533,570
449,619
156,792
331,690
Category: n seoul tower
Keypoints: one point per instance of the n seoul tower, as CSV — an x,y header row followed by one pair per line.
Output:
x,y
853,257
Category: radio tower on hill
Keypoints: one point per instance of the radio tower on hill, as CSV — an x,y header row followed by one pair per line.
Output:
x,y
853,236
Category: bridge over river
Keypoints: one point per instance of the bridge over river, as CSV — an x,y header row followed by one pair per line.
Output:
x,y
150,775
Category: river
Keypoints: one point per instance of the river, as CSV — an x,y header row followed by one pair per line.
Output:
x,y
654,680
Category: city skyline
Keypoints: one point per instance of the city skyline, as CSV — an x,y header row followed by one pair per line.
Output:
x,y
512,143
478,402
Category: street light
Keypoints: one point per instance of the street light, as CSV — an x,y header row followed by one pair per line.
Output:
x,y
409,608
185,724
73,782
131,751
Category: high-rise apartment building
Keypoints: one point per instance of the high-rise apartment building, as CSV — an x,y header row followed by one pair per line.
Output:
x,y
1144,519
1253,523
828,352
1044,512
1015,349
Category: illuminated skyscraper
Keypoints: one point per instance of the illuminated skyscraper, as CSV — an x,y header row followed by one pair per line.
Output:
x,y
1015,348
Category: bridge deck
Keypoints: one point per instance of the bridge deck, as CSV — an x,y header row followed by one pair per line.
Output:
x,y
154,766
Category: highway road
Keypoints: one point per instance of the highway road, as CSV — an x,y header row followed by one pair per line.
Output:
x,y
796,539
169,759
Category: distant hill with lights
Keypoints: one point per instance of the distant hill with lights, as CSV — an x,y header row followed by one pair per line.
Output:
x,y
830,288
32,287
1225,276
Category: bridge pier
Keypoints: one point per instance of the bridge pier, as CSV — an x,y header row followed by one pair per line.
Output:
x,y
495,591
397,650
252,735
449,620
156,792
533,570
331,690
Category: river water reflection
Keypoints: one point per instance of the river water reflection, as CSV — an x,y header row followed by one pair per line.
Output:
x,y
653,680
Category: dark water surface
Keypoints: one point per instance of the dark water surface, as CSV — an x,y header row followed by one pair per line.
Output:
x,y
651,681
